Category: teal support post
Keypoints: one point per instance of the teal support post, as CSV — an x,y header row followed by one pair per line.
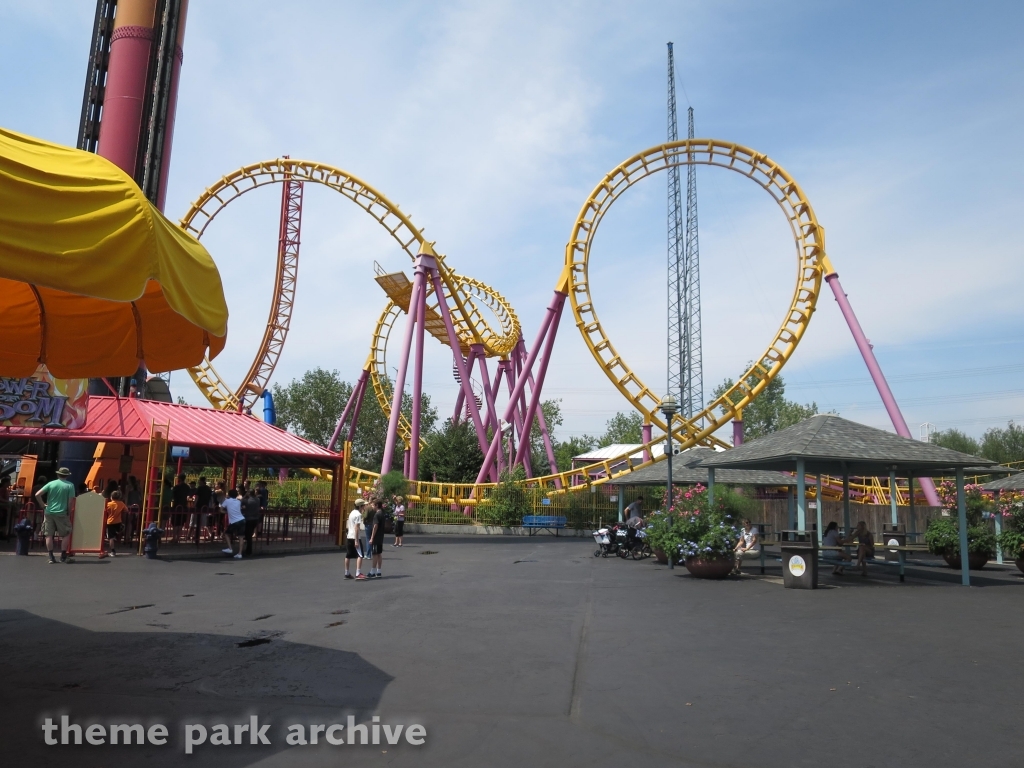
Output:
x,y
622,502
711,486
801,497
911,521
961,507
999,530
846,507
892,498
819,502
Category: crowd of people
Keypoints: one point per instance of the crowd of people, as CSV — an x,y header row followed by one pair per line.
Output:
x,y
198,508
364,539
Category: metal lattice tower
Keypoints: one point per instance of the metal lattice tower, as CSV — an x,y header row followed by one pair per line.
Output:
x,y
685,374
693,395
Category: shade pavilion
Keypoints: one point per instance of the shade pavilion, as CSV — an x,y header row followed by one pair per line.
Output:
x,y
828,444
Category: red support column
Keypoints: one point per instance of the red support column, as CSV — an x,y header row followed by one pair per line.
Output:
x,y
127,77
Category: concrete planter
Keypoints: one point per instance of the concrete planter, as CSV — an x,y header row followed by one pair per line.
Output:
x,y
975,561
709,568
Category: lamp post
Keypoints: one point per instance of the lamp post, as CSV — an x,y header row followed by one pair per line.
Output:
x,y
669,407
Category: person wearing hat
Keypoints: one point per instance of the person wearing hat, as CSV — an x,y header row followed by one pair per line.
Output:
x,y
59,499
352,540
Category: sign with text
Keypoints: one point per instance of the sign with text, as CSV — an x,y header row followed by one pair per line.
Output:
x,y
41,400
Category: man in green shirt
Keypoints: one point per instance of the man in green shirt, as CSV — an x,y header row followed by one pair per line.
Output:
x,y
59,497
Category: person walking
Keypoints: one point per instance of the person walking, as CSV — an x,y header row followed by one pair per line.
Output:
x,y
58,498
263,494
353,545
179,506
236,524
399,521
253,514
115,510
377,541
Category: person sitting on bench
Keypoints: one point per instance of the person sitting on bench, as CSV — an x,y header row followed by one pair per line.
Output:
x,y
749,545
865,546
836,557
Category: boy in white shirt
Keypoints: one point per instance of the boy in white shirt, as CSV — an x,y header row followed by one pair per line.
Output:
x,y
236,524
353,540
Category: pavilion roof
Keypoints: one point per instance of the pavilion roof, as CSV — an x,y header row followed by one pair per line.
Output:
x,y
213,436
833,445
686,469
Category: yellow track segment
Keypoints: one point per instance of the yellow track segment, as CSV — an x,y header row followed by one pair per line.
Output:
x,y
470,324
812,265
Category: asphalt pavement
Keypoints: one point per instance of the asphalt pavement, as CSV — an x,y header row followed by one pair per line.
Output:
x,y
510,651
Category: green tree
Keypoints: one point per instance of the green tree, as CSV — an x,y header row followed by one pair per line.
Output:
x,y
1003,445
452,454
622,428
372,431
770,411
552,410
574,446
310,406
956,440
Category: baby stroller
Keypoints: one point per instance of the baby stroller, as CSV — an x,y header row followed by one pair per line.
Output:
x,y
634,545
607,542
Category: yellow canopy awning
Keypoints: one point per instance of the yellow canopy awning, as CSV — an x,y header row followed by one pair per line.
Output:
x,y
94,280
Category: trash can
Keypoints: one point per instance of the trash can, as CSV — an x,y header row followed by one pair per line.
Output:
x,y
799,559
152,534
23,530
893,536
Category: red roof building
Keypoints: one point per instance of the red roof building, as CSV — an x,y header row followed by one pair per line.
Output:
x,y
214,438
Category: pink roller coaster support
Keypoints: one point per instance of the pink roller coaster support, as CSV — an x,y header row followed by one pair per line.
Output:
x,y
877,376
453,340
354,401
460,404
645,437
549,343
545,435
737,433
554,312
412,468
359,406
485,383
418,291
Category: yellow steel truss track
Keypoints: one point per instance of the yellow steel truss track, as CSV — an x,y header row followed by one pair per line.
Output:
x,y
470,324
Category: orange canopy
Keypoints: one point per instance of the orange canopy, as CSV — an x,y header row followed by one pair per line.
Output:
x,y
94,280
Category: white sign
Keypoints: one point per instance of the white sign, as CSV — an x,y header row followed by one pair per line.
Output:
x,y
797,566
893,543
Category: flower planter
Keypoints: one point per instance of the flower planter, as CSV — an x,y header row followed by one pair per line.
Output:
x,y
1020,564
660,556
975,561
709,568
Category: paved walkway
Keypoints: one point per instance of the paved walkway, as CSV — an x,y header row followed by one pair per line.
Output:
x,y
514,652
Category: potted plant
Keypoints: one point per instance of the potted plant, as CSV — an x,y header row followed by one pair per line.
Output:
x,y
707,532
943,534
1011,540
662,535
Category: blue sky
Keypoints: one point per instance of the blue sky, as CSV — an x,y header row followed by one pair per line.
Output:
x,y
490,123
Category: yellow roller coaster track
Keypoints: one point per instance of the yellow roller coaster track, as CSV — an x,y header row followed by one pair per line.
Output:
x,y
468,295
812,266
470,323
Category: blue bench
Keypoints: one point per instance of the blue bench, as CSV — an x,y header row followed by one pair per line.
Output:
x,y
543,523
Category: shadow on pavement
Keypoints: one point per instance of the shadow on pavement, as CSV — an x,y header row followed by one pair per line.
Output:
x,y
50,669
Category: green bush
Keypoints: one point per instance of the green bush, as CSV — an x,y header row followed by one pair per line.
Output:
x,y
943,538
943,533
1011,507
509,501
706,530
